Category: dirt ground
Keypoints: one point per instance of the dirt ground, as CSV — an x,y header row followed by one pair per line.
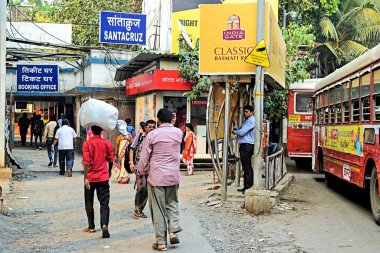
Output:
x,y
44,212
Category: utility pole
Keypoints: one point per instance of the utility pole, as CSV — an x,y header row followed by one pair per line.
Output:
x,y
259,98
257,200
3,101
226,138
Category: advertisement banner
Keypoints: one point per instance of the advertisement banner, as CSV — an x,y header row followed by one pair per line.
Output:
x,y
122,28
228,33
347,139
156,80
41,78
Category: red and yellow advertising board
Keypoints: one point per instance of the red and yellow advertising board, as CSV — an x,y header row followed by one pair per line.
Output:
x,y
228,35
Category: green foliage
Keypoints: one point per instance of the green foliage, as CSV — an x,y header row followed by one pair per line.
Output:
x,y
348,34
297,64
188,69
330,6
84,15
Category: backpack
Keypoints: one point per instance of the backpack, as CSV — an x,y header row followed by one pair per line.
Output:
x,y
126,156
38,127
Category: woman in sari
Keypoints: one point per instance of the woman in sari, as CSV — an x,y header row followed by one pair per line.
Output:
x,y
190,148
122,142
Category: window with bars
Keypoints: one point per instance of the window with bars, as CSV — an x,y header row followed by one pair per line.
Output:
x,y
345,100
355,100
365,91
376,94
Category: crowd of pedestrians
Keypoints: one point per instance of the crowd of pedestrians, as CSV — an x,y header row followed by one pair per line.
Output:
x,y
152,154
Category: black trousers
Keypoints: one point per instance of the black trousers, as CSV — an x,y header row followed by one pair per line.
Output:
x,y
23,133
141,194
246,153
103,194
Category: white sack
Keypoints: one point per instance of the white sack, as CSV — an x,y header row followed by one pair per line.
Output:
x,y
122,125
94,112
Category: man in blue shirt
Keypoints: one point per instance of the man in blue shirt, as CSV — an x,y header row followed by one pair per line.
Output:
x,y
130,128
246,142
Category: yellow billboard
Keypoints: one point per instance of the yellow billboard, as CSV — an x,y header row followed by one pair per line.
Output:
x,y
187,14
228,35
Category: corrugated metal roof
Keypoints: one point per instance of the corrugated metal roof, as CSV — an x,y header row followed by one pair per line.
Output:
x,y
141,60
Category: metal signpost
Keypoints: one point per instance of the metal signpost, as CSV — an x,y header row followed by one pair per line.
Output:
x,y
41,78
122,28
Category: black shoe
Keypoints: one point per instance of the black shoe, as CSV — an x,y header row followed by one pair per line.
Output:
x,y
50,163
60,173
105,232
242,190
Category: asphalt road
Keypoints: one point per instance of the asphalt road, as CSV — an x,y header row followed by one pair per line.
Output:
x,y
337,219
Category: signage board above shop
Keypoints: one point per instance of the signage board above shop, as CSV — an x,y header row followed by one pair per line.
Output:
x,y
156,80
122,28
41,78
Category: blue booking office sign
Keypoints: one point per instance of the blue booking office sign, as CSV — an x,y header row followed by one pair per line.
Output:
x,y
41,78
122,28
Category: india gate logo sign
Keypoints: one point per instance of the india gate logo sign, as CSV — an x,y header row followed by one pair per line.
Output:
x,y
234,32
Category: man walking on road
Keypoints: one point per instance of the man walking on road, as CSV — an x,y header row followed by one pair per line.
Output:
x,y
23,124
246,142
66,138
49,138
160,160
97,153
134,158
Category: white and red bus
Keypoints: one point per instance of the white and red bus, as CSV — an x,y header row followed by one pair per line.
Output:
x,y
299,126
347,125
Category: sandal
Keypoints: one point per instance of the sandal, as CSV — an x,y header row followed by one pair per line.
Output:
x,y
139,214
89,230
159,247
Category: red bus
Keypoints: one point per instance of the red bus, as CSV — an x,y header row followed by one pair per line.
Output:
x,y
347,125
299,126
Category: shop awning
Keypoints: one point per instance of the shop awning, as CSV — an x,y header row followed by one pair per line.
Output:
x,y
82,90
141,60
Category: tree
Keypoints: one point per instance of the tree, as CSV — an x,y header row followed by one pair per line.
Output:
x,y
298,63
355,29
84,15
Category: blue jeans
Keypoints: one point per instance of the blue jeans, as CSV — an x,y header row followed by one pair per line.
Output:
x,y
49,142
66,156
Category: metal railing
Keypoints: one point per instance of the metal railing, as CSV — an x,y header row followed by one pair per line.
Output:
x,y
275,169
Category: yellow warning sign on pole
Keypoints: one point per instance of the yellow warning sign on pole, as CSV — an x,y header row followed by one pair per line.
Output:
x,y
259,55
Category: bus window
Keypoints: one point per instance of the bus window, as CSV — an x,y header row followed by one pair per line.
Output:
x,y
338,106
366,110
376,94
321,116
355,100
369,136
302,102
332,105
326,117
345,99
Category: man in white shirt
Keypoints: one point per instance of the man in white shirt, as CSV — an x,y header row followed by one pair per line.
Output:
x,y
66,139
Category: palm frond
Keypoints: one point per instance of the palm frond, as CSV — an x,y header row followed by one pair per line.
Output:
x,y
328,29
349,4
331,48
352,49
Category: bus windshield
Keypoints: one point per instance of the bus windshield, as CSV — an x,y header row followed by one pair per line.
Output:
x,y
302,102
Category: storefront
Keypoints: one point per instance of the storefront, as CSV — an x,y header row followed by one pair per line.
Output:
x,y
158,89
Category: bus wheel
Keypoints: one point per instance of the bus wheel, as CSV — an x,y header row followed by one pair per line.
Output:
x,y
374,195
